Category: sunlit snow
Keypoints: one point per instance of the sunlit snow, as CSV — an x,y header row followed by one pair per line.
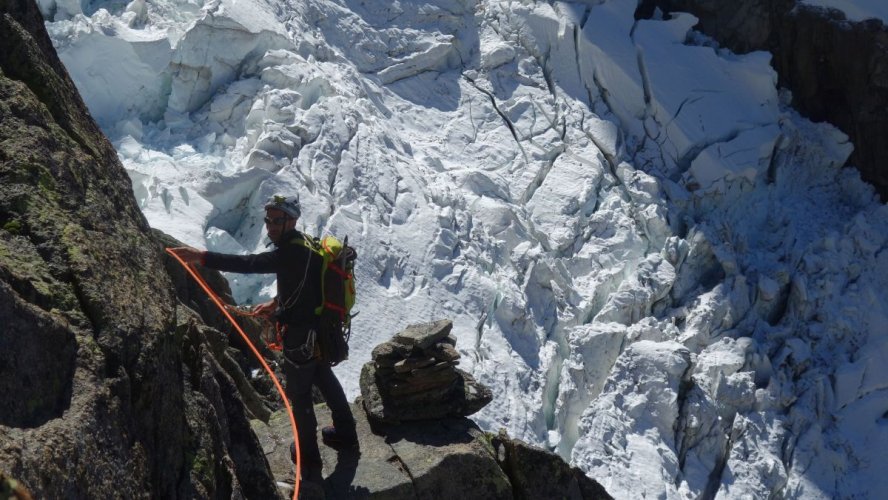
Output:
x,y
659,268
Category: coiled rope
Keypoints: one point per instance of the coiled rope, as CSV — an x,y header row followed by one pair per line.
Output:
x,y
215,298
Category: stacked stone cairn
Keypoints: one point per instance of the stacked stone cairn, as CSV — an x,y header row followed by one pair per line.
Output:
x,y
414,377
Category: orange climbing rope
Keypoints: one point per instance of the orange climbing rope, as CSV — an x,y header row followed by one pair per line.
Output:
x,y
271,333
215,298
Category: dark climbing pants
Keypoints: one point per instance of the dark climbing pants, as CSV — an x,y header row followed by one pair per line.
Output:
x,y
300,378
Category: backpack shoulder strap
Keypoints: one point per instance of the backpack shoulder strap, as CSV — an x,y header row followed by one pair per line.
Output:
x,y
307,242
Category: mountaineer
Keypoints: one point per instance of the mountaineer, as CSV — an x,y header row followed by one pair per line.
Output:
x,y
298,271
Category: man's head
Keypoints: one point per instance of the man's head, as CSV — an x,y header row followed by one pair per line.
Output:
x,y
281,214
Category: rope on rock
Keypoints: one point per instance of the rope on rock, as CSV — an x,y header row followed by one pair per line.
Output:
x,y
216,300
271,333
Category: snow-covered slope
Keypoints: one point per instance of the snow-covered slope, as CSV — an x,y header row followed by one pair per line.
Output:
x,y
658,267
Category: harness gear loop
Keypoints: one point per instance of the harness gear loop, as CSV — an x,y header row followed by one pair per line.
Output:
x,y
271,334
215,298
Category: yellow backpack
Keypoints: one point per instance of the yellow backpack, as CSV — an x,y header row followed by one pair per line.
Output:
x,y
338,293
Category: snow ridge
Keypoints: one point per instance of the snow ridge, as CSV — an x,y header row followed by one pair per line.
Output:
x,y
657,266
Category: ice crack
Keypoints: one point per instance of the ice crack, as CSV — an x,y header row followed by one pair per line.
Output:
x,y
502,115
714,483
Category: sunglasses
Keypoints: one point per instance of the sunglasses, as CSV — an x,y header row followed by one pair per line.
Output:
x,y
277,221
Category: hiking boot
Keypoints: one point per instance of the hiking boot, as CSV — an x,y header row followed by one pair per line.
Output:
x,y
338,440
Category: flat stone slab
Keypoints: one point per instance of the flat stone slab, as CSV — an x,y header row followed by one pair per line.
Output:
x,y
443,352
424,335
408,461
389,353
373,471
406,365
448,458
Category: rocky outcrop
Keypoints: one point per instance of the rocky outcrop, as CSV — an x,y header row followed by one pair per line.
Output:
x,y
198,312
424,447
837,69
428,459
110,386
536,473
414,377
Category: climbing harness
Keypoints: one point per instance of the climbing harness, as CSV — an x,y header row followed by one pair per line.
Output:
x,y
215,298
303,353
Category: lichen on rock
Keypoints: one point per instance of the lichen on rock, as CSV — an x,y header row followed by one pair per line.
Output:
x,y
103,396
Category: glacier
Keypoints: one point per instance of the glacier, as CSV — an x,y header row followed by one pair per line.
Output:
x,y
658,266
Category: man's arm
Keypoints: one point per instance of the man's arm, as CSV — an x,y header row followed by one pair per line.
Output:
x,y
267,262
189,255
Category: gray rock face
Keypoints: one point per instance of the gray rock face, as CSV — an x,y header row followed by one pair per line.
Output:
x,y
414,377
448,458
837,69
110,389
536,473
428,459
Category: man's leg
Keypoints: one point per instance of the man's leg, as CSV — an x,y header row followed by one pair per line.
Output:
x,y
332,391
299,382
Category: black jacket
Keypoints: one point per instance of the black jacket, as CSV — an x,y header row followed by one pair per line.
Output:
x,y
298,272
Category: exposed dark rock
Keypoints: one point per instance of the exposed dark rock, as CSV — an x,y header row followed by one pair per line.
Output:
x,y
536,473
389,353
226,344
407,365
418,386
224,456
429,459
421,381
447,458
837,69
39,391
444,352
107,391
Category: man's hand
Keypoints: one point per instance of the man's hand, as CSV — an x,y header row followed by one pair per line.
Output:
x,y
189,255
265,310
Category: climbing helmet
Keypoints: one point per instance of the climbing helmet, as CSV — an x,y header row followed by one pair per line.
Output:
x,y
286,204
